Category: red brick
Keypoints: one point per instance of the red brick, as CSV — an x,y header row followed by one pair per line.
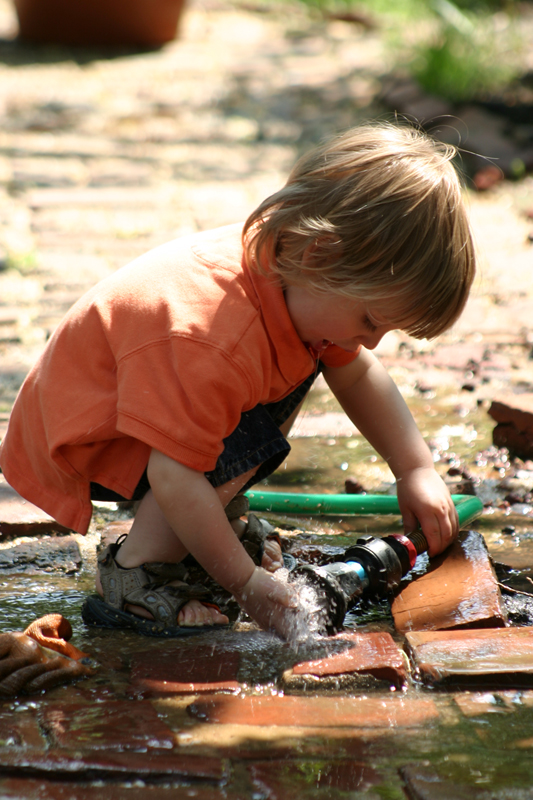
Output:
x,y
186,670
519,443
18,517
101,765
458,590
516,409
279,780
317,712
366,653
514,415
502,656
116,725
20,730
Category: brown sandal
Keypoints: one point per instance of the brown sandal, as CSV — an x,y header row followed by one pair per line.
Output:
x,y
146,586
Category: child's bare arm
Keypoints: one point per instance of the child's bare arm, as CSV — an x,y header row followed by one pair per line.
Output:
x,y
372,401
194,511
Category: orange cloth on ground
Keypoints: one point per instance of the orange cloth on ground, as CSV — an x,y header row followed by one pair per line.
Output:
x,y
166,353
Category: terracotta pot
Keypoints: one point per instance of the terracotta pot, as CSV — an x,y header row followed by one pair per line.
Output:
x,y
99,22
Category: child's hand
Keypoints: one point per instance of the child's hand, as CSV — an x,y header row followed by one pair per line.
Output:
x,y
269,601
424,499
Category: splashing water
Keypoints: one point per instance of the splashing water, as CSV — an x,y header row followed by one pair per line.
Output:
x,y
310,619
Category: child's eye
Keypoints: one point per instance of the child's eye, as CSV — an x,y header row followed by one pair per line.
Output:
x,y
370,325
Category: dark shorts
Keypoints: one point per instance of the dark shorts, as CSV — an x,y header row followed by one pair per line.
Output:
x,y
256,442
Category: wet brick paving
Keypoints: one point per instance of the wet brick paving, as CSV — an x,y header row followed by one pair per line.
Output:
x,y
104,155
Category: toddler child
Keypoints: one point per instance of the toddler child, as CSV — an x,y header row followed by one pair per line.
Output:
x,y
175,380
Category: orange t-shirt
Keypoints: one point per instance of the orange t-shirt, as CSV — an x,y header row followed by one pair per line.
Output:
x,y
166,353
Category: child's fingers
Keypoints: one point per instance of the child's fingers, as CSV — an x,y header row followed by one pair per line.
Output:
x,y
272,557
410,522
440,531
283,596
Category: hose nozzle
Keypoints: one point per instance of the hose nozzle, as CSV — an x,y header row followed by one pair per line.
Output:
x,y
372,567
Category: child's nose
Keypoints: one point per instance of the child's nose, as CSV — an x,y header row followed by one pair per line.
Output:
x,y
373,339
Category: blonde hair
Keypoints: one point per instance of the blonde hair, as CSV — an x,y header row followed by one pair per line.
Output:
x,y
375,214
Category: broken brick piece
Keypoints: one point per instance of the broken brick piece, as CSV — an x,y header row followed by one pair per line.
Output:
x,y
502,657
514,415
317,712
458,590
189,670
18,517
366,653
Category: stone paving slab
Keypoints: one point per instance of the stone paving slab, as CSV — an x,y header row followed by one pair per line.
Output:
x,y
18,517
49,554
502,656
191,670
317,712
458,589
374,654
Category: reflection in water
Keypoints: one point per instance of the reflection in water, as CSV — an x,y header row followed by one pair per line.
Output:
x,y
487,748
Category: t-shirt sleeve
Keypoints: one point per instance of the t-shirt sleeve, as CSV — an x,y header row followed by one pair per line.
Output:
x,y
182,398
334,356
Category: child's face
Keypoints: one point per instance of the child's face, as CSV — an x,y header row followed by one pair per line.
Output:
x,y
323,319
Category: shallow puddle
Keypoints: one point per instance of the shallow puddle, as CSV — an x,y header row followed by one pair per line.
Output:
x,y
475,744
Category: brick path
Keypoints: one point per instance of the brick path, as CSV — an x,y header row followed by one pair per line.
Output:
x,y
102,158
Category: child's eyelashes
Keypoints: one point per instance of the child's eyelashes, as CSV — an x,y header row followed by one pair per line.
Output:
x,y
369,324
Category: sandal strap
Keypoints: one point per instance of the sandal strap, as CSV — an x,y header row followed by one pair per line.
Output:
x,y
165,602
147,586
117,583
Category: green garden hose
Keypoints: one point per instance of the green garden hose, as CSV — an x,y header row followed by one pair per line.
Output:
x,y
468,506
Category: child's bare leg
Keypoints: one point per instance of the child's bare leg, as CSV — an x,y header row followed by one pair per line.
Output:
x,y
272,556
152,539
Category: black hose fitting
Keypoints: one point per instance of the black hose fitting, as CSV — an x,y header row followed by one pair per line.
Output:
x,y
372,567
